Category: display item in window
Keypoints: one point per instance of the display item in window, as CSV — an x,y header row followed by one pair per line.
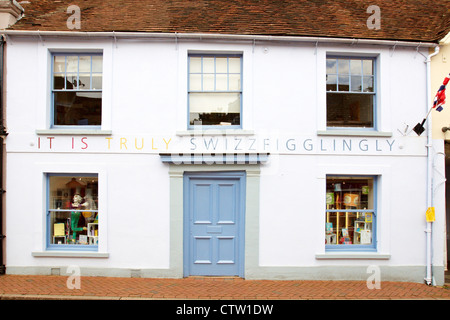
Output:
x,y
75,216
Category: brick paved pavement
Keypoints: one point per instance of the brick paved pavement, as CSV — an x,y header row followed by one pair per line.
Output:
x,y
55,287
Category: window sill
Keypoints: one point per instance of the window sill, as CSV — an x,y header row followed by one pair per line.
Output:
x,y
352,255
215,132
70,254
354,133
80,131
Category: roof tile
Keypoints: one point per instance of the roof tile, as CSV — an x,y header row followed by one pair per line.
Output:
x,y
412,20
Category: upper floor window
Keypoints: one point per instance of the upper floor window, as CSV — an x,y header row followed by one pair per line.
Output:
x,y
215,90
77,89
350,92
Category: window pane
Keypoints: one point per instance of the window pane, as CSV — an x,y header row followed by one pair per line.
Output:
x,y
72,81
235,82
348,228
234,65
349,193
344,83
85,64
208,82
356,83
195,64
343,66
84,82
58,81
77,108
367,67
195,82
97,64
97,81
221,82
208,65
221,65
64,188
331,66
73,210
59,64
368,84
355,67
72,64
215,108
349,110
331,83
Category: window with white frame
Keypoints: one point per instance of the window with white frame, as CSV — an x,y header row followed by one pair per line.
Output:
x,y
77,89
215,90
72,214
350,215
350,85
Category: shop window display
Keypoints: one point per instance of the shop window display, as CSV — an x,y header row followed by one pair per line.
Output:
x,y
73,210
350,212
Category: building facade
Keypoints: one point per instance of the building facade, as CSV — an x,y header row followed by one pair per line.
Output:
x,y
171,155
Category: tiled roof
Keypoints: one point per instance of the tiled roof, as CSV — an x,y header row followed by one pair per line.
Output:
x,y
412,20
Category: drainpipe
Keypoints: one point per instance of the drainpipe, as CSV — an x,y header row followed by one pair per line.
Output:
x,y
429,229
3,135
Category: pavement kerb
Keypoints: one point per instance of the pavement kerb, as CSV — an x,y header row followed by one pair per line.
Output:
x,y
96,298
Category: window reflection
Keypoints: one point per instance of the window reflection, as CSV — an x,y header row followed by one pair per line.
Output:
x,y
77,85
350,92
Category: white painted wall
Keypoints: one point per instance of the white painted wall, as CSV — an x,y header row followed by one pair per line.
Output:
x,y
145,96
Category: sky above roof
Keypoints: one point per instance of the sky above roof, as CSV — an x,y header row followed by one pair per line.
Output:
x,y
409,20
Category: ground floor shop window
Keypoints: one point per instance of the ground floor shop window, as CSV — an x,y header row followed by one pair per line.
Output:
x,y
350,213
72,216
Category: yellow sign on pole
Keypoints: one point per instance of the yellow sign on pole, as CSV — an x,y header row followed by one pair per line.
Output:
x,y
430,214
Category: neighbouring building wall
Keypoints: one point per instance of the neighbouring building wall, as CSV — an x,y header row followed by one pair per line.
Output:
x,y
440,68
10,12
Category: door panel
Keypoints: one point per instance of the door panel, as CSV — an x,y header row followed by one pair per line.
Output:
x,y
214,224
226,205
202,203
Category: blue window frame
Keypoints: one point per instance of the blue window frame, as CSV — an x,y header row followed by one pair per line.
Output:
x,y
76,89
351,92
351,214
72,212
214,90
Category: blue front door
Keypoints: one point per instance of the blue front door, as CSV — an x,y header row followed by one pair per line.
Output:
x,y
214,208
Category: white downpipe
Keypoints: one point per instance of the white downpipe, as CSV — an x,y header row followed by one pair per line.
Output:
x,y
429,229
